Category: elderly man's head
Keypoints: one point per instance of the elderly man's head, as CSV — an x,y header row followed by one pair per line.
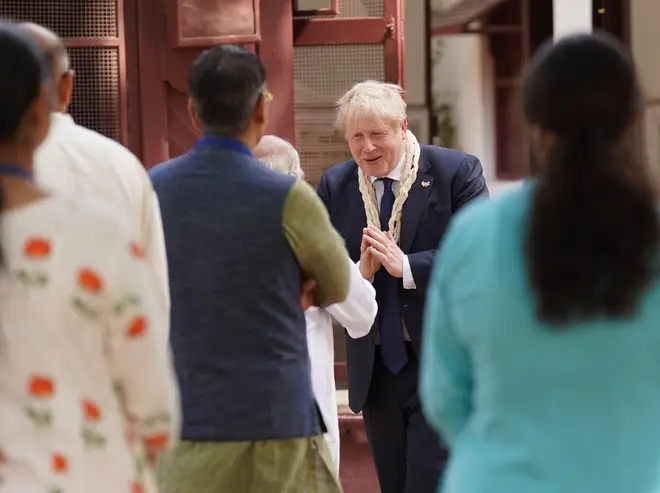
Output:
x,y
372,117
228,95
57,59
279,156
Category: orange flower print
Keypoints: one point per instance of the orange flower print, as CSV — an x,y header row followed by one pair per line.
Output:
x,y
36,248
90,281
59,463
41,387
137,487
137,250
137,328
156,443
91,411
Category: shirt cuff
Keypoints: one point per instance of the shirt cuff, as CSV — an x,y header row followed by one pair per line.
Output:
x,y
408,280
358,266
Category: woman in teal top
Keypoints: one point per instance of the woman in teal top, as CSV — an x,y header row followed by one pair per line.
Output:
x,y
541,354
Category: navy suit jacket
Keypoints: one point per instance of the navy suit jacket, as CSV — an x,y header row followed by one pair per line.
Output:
x,y
454,178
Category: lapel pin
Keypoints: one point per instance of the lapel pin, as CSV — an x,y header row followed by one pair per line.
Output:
x,y
426,183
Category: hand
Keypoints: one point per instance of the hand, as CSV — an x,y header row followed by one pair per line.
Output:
x,y
369,264
384,249
308,294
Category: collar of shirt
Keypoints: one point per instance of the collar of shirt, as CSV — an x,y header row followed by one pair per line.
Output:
x,y
60,119
61,124
395,174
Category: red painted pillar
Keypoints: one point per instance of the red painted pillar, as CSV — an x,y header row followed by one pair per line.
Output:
x,y
276,53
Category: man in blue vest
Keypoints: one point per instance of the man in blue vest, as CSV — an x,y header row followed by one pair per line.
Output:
x,y
241,240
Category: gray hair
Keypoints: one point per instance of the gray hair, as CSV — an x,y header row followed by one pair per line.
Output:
x,y
279,155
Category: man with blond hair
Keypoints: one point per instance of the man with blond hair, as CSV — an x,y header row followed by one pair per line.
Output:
x,y
392,203
356,313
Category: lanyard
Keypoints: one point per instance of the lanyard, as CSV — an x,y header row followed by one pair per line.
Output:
x,y
15,171
223,143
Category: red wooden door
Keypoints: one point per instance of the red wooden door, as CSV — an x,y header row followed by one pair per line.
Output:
x,y
172,33
348,42
353,41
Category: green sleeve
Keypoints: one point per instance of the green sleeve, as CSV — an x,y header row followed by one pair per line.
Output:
x,y
317,245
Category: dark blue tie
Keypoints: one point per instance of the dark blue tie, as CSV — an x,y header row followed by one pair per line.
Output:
x,y
392,344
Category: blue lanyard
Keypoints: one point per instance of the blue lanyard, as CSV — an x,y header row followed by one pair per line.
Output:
x,y
223,143
15,171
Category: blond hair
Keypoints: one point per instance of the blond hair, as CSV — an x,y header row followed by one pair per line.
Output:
x,y
279,155
383,101
370,98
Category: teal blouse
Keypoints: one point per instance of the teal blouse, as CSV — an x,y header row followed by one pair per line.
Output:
x,y
525,409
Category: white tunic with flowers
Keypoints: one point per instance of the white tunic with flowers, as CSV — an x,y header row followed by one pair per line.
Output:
x,y
85,374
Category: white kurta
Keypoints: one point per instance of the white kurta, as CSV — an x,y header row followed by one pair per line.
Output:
x,y
76,161
81,353
356,314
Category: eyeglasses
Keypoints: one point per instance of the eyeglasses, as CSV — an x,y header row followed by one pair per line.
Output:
x,y
264,93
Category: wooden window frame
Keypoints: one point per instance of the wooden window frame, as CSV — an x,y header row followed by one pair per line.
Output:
x,y
177,40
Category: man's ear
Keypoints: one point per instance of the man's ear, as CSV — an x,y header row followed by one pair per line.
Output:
x,y
404,127
65,89
260,111
192,114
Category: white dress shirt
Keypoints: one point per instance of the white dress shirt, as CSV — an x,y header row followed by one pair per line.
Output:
x,y
379,188
395,175
76,161
356,314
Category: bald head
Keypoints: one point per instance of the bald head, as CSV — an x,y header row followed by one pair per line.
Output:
x,y
57,59
279,155
52,46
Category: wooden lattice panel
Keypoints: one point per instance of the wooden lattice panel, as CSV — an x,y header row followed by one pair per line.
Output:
x,y
96,100
361,8
68,18
353,9
322,74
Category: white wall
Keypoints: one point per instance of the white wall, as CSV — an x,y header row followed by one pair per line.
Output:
x,y
645,38
571,16
415,65
463,77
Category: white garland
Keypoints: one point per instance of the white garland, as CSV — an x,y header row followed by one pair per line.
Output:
x,y
408,177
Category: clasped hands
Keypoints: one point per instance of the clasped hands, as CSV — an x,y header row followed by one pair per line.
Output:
x,y
378,249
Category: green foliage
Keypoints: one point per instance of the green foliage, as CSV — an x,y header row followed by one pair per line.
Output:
x,y
446,128
443,108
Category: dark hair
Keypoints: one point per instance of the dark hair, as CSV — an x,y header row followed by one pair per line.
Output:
x,y
225,83
22,71
593,237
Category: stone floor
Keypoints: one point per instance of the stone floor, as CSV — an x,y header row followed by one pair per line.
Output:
x,y
356,468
